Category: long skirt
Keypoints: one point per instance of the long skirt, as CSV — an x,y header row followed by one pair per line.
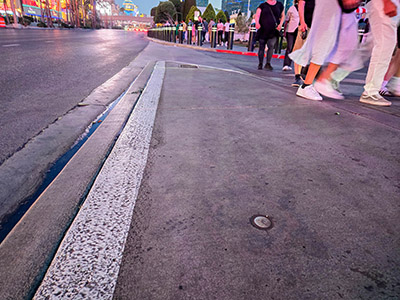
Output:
x,y
332,37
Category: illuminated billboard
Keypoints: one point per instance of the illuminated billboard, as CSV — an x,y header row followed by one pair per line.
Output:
x,y
33,8
5,5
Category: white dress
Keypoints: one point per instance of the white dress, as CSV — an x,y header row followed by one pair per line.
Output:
x,y
332,37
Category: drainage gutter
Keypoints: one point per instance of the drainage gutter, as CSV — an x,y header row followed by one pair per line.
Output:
x,y
27,251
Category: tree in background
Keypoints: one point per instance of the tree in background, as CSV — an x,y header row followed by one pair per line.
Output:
x,y
178,4
241,24
221,15
164,12
228,17
209,13
187,5
190,15
153,11
178,7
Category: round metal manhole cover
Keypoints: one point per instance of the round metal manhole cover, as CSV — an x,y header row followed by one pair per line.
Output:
x,y
261,222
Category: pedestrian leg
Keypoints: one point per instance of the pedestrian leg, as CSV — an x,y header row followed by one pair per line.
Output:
x,y
290,38
383,30
271,45
261,52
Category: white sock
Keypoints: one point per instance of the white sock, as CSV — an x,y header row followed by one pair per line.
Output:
x,y
384,83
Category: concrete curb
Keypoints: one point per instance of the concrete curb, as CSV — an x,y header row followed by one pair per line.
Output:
x,y
245,53
88,261
29,248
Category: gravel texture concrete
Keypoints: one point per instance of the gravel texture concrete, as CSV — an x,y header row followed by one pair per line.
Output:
x,y
231,147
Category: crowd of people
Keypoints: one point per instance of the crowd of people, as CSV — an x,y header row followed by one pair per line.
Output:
x,y
322,40
201,25
323,44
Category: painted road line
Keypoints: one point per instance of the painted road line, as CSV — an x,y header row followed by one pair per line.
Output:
x,y
11,45
87,263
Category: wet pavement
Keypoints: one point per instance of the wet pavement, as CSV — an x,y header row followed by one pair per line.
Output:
x,y
45,73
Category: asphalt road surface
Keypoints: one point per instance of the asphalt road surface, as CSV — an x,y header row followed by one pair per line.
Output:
x,y
45,73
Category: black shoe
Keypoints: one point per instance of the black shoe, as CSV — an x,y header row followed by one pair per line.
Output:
x,y
268,67
260,66
297,82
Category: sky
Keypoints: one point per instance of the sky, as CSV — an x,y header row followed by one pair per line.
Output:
x,y
146,5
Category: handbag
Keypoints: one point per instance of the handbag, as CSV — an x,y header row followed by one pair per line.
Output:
x,y
348,6
304,34
277,33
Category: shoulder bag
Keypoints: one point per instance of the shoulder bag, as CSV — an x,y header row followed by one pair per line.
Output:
x,y
277,33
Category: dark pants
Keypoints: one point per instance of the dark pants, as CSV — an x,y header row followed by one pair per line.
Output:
x,y
226,36
203,36
271,45
220,37
290,38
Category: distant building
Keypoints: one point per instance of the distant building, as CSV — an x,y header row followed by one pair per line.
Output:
x,y
130,8
201,3
236,6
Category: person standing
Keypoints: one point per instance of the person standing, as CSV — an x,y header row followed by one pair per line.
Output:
x,y
196,31
210,25
205,29
176,30
226,33
220,29
184,30
269,17
291,28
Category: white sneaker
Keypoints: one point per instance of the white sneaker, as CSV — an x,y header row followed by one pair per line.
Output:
x,y
374,100
286,68
325,88
309,92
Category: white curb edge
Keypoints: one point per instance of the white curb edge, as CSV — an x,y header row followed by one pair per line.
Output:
x,y
87,262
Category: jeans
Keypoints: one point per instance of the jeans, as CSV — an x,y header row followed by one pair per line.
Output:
x,y
290,38
271,45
